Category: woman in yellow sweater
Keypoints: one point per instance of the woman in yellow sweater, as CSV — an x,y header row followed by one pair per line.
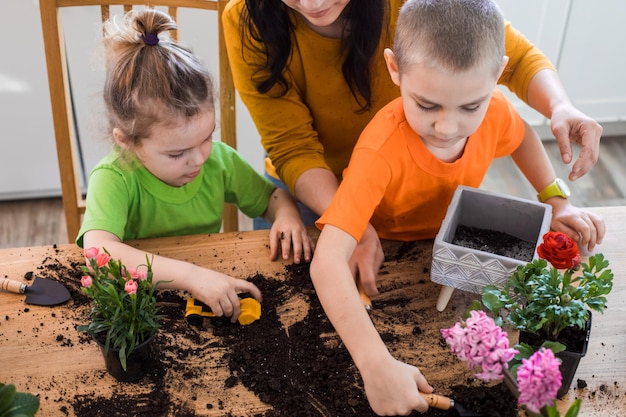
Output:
x,y
312,75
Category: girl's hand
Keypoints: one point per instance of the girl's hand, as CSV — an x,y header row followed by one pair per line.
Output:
x,y
288,231
392,387
584,227
220,292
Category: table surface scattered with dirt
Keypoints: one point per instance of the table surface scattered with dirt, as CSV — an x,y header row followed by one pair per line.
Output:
x,y
289,363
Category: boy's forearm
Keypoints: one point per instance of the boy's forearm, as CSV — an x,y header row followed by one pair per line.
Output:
x,y
339,296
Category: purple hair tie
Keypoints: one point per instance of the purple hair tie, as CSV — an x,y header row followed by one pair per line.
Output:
x,y
150,39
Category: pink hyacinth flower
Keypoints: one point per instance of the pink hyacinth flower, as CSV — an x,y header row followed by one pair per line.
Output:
x,y
131,286
480,343
91,253
538,380
86,281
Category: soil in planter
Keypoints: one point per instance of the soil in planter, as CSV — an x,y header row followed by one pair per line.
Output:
x,y
289,363
572,337
495,242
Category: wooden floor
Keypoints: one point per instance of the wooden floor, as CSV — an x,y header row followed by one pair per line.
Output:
x,y
41,222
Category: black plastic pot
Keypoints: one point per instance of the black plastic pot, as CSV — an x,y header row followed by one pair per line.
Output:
x,y
138,363
569,358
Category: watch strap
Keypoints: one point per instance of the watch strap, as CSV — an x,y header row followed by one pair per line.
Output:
x,y
552,190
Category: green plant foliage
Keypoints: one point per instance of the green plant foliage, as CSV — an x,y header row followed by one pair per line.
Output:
x,y
17,404
122,319
542,300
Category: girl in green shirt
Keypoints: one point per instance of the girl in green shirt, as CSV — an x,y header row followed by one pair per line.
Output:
x,y
166,176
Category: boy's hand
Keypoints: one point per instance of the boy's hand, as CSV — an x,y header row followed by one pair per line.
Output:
x,y
393,387
584,227
288,231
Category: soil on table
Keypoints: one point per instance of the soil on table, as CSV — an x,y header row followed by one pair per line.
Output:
x,y
289,363
495,242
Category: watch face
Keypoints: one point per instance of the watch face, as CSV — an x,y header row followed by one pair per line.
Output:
x,y
563,187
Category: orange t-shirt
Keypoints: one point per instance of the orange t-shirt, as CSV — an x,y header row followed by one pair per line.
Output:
x,y
397,184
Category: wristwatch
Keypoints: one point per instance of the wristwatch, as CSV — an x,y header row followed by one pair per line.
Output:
x,y
558,188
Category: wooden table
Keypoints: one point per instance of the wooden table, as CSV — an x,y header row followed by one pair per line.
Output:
x,y
40,352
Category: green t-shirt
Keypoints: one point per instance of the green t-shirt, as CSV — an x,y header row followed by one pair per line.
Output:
x,y
132,203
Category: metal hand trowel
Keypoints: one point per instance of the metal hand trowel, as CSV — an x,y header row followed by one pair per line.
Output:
x,y
43,291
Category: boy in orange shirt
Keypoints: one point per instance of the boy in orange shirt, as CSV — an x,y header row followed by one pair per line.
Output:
x,y
448,125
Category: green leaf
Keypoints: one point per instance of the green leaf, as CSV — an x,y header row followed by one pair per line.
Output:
x,y
574,408
14,404
7,394
24,404
555,347
550,411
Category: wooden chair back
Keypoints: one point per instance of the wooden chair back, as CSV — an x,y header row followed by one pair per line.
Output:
x,y
73,185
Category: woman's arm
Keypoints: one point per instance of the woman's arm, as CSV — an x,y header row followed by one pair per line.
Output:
x,y
533,78
568,124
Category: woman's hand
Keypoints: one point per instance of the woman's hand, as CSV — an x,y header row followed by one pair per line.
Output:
x,y
366,260
569,125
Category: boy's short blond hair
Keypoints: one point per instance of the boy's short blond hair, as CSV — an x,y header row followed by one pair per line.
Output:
x,y
452,35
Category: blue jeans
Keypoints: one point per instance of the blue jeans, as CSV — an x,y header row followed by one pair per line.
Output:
x,y
308,216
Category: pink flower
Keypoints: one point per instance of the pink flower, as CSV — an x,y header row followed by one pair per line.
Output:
x,y
142,274
102,259
131,271
480,343
131,286
86,281
538,380
91,253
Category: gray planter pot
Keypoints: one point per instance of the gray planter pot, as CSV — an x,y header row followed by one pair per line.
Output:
x,y
467,269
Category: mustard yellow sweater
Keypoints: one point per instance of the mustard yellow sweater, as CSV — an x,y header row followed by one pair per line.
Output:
x,y
317,123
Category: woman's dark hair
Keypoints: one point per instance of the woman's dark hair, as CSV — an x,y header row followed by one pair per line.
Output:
x,y
267,22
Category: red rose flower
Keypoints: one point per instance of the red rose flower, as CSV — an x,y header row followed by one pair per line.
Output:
x,y
560,250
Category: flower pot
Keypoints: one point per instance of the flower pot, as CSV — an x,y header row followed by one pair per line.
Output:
x,y
576,342
138,363
468,269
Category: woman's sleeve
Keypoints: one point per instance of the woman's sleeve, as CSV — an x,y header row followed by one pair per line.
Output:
x,y
284,123
525,60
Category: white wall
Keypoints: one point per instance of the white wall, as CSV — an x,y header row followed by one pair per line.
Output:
x,y
28,164
584,39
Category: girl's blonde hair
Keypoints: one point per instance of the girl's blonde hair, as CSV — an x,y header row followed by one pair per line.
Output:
x,y
150,79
